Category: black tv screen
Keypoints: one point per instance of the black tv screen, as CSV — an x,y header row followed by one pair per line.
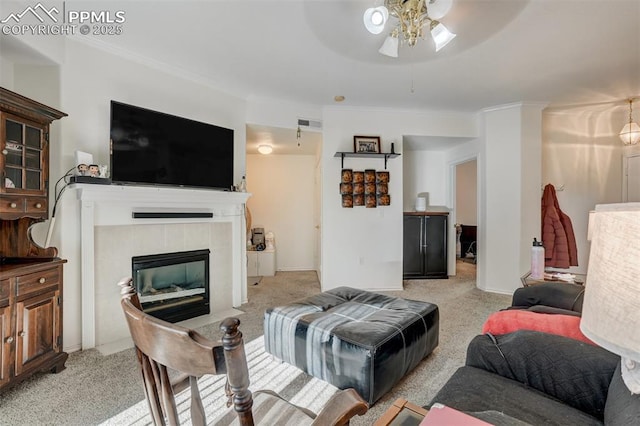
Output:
x,y
154,148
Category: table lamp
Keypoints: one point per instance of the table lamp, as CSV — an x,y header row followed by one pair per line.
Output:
x,y
611,309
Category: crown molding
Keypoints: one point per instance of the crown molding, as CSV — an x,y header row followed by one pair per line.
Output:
x,y
541,105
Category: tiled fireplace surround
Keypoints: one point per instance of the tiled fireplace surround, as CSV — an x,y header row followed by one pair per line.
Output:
x,y
110,237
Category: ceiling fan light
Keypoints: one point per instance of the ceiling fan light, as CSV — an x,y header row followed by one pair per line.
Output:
x,y
441,35
630,134
265,149
390,47
438,8
375,18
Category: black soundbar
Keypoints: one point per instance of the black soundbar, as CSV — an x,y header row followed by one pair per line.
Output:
x,y
170,215
90,179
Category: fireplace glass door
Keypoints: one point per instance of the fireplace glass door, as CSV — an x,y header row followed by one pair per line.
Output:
x,y
173,286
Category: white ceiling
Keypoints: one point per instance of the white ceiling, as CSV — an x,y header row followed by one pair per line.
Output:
x,y
560,52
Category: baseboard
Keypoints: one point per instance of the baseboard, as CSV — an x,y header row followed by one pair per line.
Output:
x,y
297,269
72,348
117,346
497,291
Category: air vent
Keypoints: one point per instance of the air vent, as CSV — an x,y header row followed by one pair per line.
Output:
x,y
310,124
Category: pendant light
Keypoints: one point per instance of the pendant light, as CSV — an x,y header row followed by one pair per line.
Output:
x,y
630,133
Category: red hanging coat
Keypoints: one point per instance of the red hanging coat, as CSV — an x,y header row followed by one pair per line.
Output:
x,y
560,248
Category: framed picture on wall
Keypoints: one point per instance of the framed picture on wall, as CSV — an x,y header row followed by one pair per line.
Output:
x,y
366,144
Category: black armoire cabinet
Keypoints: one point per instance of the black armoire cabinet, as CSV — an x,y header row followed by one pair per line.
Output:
x,y
425,245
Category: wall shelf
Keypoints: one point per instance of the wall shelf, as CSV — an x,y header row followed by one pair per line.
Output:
x,y
385,155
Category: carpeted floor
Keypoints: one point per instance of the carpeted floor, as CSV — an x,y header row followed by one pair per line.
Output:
x,y
97,389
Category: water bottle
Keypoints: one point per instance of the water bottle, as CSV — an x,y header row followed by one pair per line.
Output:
x,y
537,260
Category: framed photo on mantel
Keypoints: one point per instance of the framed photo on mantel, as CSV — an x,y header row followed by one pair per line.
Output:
x,y
366,144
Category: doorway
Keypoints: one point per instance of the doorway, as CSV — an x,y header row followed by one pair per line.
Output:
x,y
284,202
465,210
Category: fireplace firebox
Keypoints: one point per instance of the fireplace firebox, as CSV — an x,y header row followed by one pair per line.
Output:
x,y
173,286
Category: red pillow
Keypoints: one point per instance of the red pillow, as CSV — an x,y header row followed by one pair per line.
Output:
x,y
504,322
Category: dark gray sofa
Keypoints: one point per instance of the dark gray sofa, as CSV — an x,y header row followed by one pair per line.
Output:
x,y
550,298
535,378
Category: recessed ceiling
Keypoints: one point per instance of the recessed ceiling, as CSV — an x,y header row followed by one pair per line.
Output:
x,y
356,43
307,51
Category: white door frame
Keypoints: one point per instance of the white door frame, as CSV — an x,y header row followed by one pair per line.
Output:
x,y
630,154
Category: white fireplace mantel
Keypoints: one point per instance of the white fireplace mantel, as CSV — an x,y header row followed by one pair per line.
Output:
x,y
112,205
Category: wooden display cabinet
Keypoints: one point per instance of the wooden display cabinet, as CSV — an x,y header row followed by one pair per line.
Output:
x,y
30,275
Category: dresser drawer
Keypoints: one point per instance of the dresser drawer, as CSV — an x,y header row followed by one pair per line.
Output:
x,y
37,281
10,204
36,205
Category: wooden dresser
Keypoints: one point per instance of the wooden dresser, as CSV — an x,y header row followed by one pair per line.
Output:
x,y
30,319
30,275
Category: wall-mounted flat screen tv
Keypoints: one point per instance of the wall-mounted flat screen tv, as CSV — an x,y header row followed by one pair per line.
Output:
x,y
154,148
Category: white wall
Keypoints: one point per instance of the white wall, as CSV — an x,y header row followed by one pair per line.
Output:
x,y
424,172
282,201
279,113
6,73
510,194
362,247
582,151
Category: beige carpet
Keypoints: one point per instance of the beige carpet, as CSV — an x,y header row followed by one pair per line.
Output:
x,y
96,389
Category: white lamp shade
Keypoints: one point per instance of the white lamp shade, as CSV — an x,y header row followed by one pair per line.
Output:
x,y
374,19
390,47
630,134
265,149
439,8
441,36
611,308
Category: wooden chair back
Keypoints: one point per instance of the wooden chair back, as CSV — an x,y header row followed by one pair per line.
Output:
x,y
162,346
173,357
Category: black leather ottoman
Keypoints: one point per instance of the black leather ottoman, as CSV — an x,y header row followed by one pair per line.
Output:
x,y
353,338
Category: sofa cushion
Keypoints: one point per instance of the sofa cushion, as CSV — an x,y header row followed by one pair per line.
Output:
x,y
504,322
622,408
560,295
569,370
472,389
543,309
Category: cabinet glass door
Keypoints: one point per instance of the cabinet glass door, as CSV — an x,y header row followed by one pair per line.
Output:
x,y
23,156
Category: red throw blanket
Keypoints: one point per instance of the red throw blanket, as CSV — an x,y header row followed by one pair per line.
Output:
x,y
504,322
